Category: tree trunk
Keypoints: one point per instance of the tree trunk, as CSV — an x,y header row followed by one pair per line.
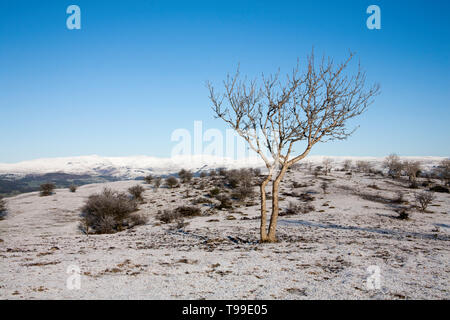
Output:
x,y
263,231
275,207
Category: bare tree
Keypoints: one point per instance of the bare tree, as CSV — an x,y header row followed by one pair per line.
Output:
x,y
327,165
443,171
363,166
423,199
412,168
393,164
157,182
347,164
274,116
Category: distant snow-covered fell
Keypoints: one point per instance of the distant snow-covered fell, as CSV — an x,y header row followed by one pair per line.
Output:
x,y
136,166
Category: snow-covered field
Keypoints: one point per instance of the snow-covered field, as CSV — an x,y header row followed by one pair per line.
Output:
x,y
323,254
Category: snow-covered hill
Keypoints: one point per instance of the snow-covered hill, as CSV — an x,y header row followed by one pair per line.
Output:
x,y
132,167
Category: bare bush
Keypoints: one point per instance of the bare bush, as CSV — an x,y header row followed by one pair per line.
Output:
x,y
185,175
212,173
73,188
2,208
423,199
324,187
443,171
225,202
243,192
347,165
203,174
296,208
171,182
393,164
138,219
363,166
412,169
317,171
403,213
168,216
327,164
137,191
157,182
107,212
214,192
148,179
201,200
47,189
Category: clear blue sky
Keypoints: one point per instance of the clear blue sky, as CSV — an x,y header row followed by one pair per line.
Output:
x,y
137,69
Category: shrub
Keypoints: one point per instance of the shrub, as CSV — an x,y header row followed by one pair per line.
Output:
x,y
171,182
201,200
148,179
443,171
306,197
412,169
137,191
107,212
203,174
324,187
423,199
403,213
166,216
225,202
393,164
138,219
243,193
2,208
295,185
185,175
295,208
188,211
327,165
363,166
317,171
202,186
212,173
73,188
178,214
157,182
257,172
232,178
347,164
47,189
214,192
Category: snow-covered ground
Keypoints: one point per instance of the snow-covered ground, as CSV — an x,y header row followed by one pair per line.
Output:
x,y
323,254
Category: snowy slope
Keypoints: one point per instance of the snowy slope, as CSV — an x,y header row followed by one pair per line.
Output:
x,y
131,167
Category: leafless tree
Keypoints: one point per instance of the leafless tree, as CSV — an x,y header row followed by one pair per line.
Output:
x,y
327,164
274,116
423,199
363,166
157,182
393,164
411,169
443,171
347,164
